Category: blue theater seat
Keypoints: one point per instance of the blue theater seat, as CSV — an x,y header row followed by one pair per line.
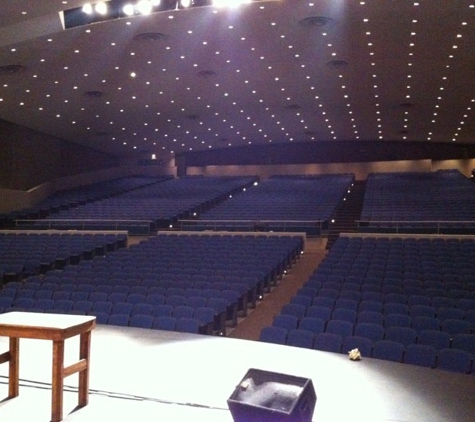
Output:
x,y
371,306
422,310
341,328
434,338
373,317
141,321
454,360
142,308
328,342
313,324
420,323
294,309
166,323
183,311
300,338
444,313
456,326
371,331
301,300
289,322
277,335
119,319
420,355
363,344
397,320
402,335
206,316
388,350
343,314
464,342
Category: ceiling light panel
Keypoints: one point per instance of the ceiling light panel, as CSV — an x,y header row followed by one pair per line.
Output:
x,y
212,78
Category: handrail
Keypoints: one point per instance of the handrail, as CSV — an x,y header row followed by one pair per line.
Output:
x,y
398,226
146,226
317,226
416,221
253,221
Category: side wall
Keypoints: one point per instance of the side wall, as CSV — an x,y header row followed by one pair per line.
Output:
x,y
29,158
361,170
464,166
15,199
11,199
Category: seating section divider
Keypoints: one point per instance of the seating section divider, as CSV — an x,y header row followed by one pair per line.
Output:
x,y
159,204
212,279
23,254
440,202
280,203
405,299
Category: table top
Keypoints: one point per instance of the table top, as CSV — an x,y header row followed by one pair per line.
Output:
x,y
44,326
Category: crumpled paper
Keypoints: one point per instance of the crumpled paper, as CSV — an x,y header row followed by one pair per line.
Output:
x,y
354,354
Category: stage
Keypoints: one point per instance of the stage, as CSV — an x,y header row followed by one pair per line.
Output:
x,y
139,374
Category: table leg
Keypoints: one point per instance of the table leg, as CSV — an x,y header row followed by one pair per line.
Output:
x,y
84,353
57,383
14,367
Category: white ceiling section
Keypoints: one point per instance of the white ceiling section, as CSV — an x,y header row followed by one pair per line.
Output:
x,y
265,72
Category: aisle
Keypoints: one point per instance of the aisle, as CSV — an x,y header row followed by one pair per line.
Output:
x,y
250,327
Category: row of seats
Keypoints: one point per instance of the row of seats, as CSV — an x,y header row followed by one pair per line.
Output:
x,y
391,327
193,325
99,191
291,198
27,298
372,289
450,320
210,314
169,257
400,259
279,204
348,315
76,288
449,359
164,323
226,302
94,281
375,269
230,301
185,258
86,287
456,298
252,283
365,288
71,198
23,254
438,196
160,203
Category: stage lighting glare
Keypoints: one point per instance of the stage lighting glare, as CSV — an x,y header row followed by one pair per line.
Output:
x,y
128,9
101,8
144,7
229,3
185,3
87,9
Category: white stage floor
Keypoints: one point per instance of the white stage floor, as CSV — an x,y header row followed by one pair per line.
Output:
x,y
157,375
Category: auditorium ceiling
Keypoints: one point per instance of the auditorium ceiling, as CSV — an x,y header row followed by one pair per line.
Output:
x,y
267,72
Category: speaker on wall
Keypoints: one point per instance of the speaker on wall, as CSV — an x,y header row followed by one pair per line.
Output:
x,y
264,396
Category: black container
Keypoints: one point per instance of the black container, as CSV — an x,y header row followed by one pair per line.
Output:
x,y
264,396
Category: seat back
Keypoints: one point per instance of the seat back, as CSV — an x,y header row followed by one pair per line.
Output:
x,y
388,350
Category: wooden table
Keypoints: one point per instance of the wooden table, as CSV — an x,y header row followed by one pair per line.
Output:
x,y
58,328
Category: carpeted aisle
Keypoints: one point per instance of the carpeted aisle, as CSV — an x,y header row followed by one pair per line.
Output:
x,y
250,327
